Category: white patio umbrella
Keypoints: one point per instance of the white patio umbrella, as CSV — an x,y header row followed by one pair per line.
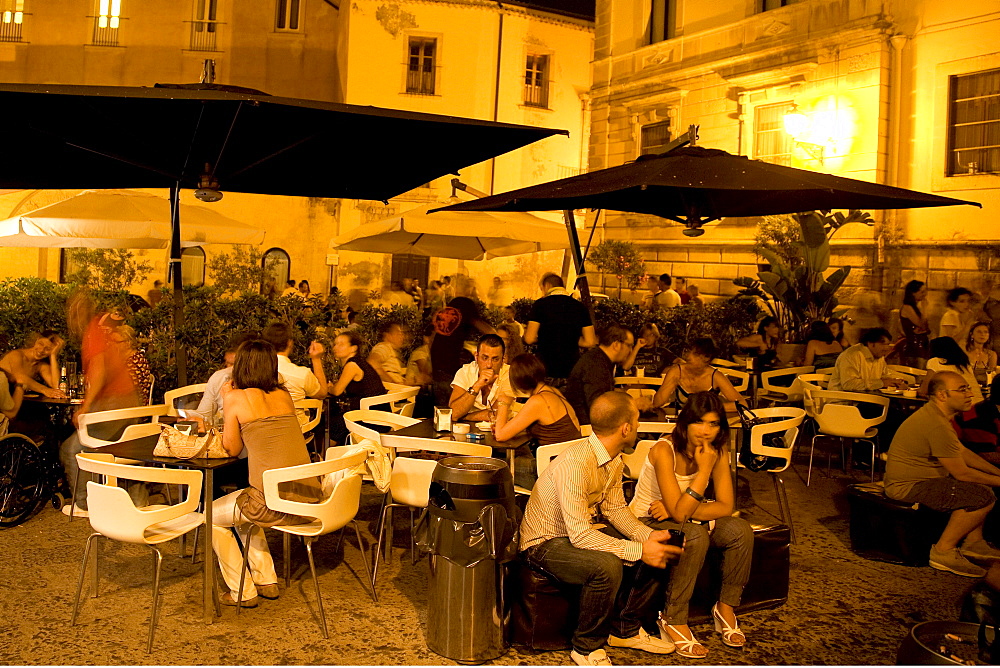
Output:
x,y
120,219
460,236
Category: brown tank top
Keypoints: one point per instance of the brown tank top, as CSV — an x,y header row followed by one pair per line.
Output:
x,y
275,442
559,431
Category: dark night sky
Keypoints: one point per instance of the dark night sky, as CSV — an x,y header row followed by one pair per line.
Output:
x,y
577,7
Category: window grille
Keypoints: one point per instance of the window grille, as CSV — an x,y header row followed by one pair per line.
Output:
x,y
421,65
11,20
770,141
205,25
536,81
974,123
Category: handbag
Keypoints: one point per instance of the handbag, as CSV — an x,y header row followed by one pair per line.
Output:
x,y
747,457
177,444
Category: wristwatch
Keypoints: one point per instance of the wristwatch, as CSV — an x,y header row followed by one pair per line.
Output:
x,y
472,390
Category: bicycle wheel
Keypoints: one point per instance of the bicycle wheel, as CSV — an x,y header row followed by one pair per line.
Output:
x,y
22,480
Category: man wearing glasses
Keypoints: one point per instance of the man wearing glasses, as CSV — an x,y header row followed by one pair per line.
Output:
x,y
928,464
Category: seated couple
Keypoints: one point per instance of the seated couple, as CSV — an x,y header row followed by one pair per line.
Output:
x,y
578,529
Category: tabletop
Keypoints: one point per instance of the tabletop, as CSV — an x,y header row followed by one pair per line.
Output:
x,y
425,429
42,399
141,449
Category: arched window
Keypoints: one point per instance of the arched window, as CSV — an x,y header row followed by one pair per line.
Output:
x,y
277,268
193,266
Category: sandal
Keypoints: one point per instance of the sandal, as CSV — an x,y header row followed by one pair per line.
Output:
x,y
686,647
731,635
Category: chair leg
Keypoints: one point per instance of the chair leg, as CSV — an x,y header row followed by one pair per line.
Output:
x,y
194,548
97,568
83,574
243,571
157,561
783,507
319,596
378,541
340,538
72,499
364,558
413,540
812,449
288,558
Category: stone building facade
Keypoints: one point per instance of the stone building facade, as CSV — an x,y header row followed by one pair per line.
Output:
x,y
902,93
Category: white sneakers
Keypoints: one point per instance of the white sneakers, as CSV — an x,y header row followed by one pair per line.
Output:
x,y
75,509
596,658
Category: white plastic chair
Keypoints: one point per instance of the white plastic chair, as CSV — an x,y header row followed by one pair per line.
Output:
x,y
314,411
826,371
334,512
407,395
114,516
409,486
792,418
648,385
406,405
739,379
781,393
720,363
152,384
844,420
907,371
171,396
544,455
633,462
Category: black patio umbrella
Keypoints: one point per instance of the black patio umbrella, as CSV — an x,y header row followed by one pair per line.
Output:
x,y
213,137
695,185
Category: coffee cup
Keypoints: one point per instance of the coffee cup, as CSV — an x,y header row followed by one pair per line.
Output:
x,y
910,393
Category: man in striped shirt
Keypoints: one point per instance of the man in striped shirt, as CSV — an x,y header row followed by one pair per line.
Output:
x,y
566,534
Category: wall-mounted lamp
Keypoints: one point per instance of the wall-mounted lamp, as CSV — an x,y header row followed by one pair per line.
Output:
x,y
798,125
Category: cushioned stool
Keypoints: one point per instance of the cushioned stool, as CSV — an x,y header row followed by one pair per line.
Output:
x,y
544,611
886,530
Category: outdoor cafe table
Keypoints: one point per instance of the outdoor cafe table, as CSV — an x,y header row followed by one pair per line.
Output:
x,y
141,449
425,429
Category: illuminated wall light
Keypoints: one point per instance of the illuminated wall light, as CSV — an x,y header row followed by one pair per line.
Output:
x,y
827,130
18,17
6,17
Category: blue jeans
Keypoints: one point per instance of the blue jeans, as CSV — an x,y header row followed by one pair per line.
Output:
x,y
615,597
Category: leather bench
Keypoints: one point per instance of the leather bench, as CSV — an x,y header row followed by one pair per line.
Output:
x,y
544,611
883,529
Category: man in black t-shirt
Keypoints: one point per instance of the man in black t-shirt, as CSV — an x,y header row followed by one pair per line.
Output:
x,y
561,326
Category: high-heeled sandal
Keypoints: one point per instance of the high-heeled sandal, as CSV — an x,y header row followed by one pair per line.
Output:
x,y
684,646
731,635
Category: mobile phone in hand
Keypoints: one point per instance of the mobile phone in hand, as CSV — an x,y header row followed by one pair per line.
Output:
x,y
676,537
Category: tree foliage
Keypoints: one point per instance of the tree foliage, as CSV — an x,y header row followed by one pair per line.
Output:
x,y
621,260
106,269
240,272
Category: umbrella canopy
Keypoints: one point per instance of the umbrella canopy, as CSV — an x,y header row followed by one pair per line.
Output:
x,y
122,137
120,219
696,185
460,236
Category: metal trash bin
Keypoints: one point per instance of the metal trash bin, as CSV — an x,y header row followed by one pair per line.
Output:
x,y
470,530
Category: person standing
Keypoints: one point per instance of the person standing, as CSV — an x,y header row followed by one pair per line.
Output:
x,y
958,317
681,287
560,325
667,297
914,325
453,326
578,529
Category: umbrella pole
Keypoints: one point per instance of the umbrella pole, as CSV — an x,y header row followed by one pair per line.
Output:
x,y
581,272
178,282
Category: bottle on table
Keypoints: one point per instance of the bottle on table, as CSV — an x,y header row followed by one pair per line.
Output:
x,y
63,381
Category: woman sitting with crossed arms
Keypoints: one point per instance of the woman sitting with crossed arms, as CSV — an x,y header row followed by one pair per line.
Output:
x,y
671,494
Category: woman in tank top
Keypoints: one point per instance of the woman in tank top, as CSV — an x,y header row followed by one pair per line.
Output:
x,y
547,416
822,350
358,379
260,416
670,494
696,374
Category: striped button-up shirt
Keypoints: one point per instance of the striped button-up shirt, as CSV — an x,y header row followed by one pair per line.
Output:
x,y
565,502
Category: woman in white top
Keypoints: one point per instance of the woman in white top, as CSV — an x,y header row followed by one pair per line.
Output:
x,y
955,321
982,358
670,494
946,355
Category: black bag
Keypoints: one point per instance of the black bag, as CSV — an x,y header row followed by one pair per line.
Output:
x,y
750,460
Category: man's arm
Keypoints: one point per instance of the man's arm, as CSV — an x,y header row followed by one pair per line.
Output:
x,y
319,390
852,378
376,359
461,402
973,460
531,332
588,337
617,511
959,469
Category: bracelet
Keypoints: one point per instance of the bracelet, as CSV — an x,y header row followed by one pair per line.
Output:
x,y
697,497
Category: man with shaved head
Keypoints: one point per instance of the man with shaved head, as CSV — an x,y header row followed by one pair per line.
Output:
x,y
566,534
928,464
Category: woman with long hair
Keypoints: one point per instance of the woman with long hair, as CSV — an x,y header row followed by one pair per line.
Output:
x,y
914,325
982,358
946,355
670,494
763,346
696,374
512,345
259,416
837,328
358,379
822,350
955,322
547,416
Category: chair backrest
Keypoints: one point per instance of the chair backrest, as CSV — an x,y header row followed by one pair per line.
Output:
x,y
332,512
907,370
112,512
789,388
826,371
836,418
720,363
411,477
314,409
152,383
406,405
359,432
546,453
390,398
86,420
634,461
791,419
809,382
739,379
647,385
170,396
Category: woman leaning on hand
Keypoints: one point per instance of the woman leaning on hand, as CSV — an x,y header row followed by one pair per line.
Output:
x,y
259,416
672,488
